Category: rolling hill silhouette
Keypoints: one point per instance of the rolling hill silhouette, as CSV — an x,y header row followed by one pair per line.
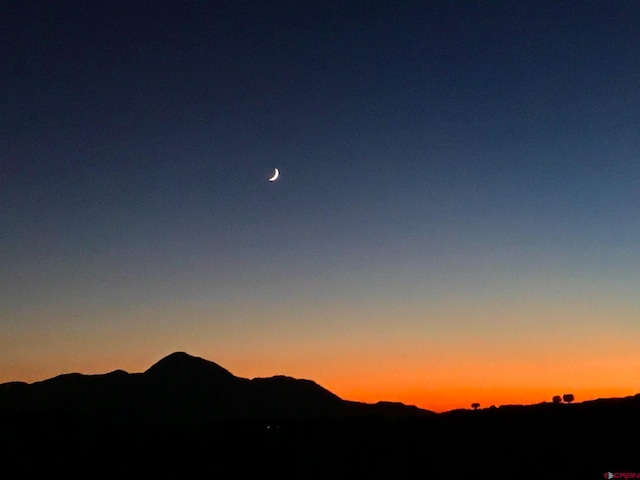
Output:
x,y
184,388
186,416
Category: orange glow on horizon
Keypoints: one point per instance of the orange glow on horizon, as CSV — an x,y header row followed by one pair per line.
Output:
x,y
439,367
442,401
450,388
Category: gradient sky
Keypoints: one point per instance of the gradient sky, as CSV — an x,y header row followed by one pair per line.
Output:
x,y
457,218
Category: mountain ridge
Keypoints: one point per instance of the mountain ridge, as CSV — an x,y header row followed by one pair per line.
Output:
x,y
187,417
184,388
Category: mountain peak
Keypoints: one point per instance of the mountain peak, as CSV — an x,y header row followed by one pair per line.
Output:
x,y
181,364
179,357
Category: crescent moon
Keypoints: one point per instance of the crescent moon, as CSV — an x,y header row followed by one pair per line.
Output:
x,y
276,174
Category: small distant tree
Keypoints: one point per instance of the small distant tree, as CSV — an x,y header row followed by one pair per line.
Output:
x,y
475,406
568,397
557,399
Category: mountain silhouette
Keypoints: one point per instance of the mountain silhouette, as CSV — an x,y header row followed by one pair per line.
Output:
x,y
184,388
182,366
189,417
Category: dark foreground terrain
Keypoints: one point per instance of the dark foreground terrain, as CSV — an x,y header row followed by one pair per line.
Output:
x,y
187,417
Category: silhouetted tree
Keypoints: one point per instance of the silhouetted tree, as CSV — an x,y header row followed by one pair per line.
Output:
x,y
568,397
557,399
475,406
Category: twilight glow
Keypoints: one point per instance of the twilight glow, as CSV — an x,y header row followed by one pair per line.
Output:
x,y
458,221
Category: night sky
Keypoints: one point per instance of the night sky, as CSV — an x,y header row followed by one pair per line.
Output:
x,y
457,217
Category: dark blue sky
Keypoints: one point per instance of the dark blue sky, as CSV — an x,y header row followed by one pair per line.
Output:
x,y
431,153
